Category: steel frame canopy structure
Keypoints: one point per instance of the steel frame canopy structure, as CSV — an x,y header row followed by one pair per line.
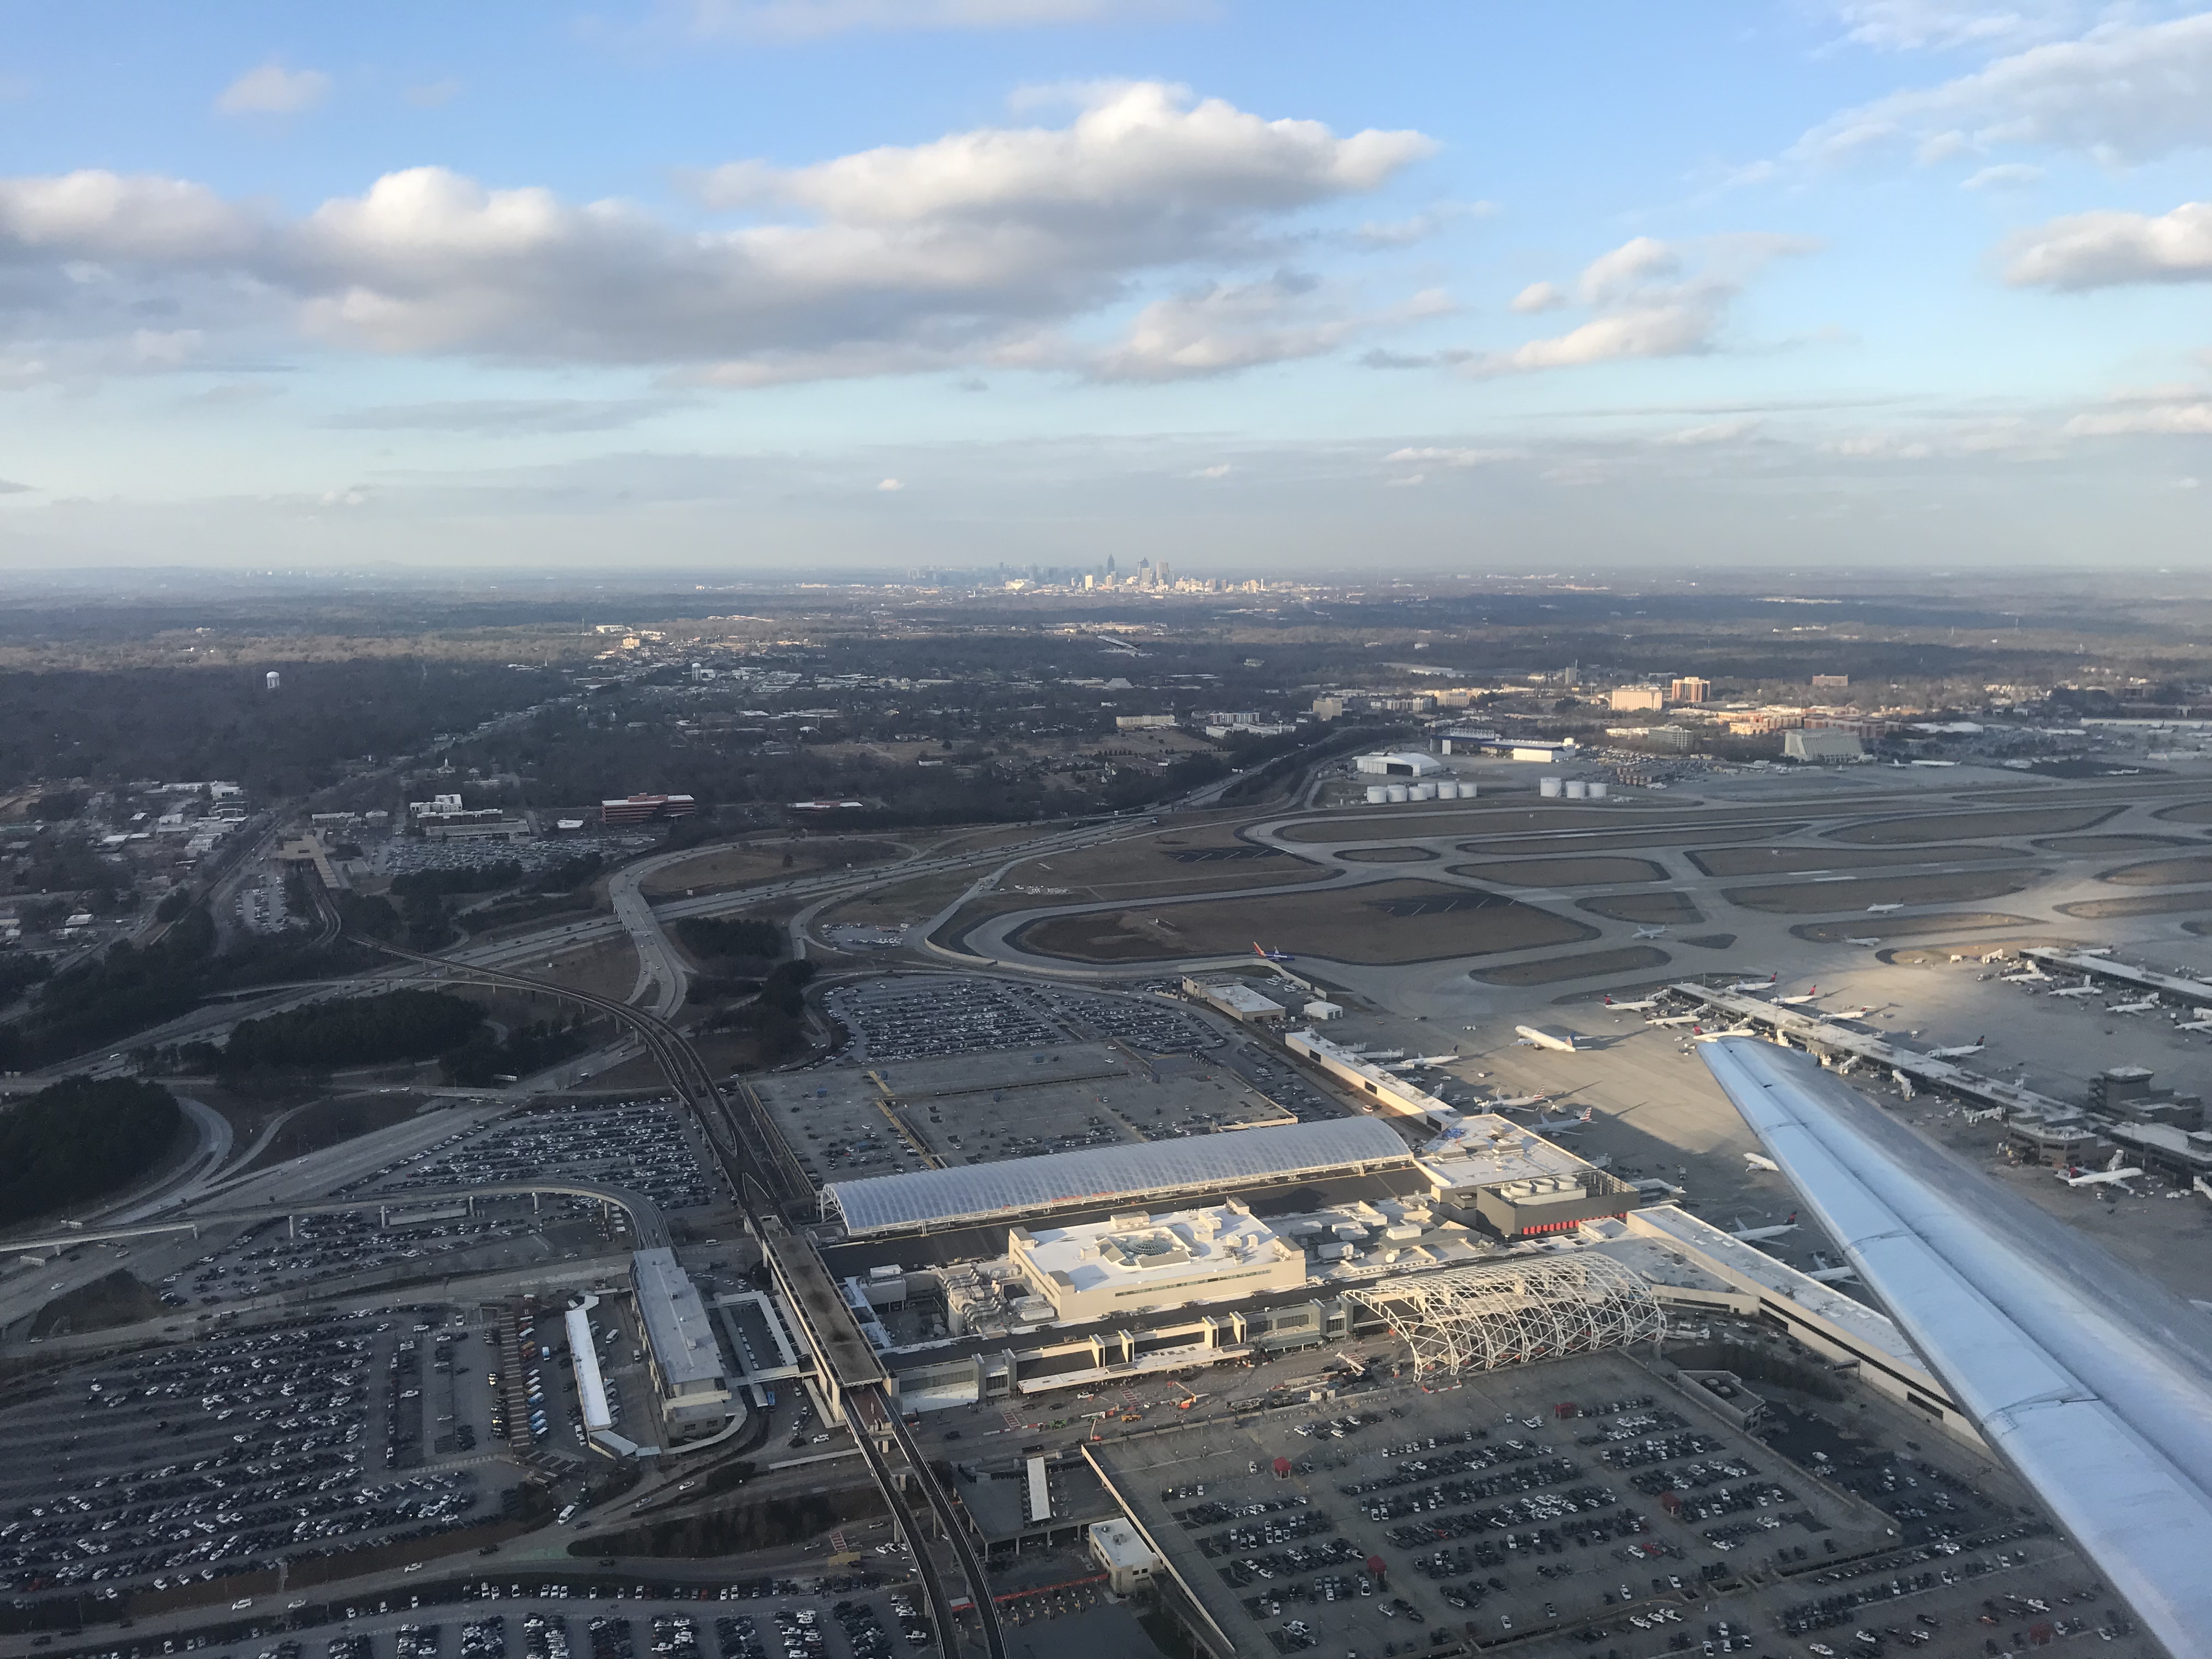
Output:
x,y
1477,1319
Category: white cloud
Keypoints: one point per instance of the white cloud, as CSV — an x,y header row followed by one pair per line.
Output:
x,y
1639,313
273,89
889,487
1948,25
801,20
2104,250
1411,481
355,496
1627,268
1419,228
1140,162
1540,296
1460,458
1715,432
433,94
1227,326
2124,92
2006,175
2180,409
973,250
98,216
1221,470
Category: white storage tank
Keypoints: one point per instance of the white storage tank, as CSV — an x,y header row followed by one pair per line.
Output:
x,y
1377,793
1577,790
1597,792
1422,792
1548,788
1394,792
1447,791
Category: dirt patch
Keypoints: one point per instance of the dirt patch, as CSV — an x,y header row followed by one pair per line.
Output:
x,y
2162,872
1388,855
2194,812
2145,904
1451,821
118,1298
1507,847
1967,826
1880,927
1800,860
1564,873
2098,846
1552,970
1661,909
727,867
1382,922
1814,897
1711,941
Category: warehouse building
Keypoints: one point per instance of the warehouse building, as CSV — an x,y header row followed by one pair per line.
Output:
x,y
1235,999
1821,745
1400,763
681,1353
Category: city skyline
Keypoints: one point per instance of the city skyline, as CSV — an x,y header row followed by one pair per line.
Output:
x,y
787,286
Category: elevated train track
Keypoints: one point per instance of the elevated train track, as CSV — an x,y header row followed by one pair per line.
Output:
x,y
747,1143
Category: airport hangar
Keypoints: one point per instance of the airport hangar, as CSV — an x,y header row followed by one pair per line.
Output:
x,y
1004,1281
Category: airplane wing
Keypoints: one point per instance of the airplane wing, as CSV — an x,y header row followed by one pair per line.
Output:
x,y
2092,1383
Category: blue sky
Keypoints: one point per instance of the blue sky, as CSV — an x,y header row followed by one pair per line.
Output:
x,y
778,285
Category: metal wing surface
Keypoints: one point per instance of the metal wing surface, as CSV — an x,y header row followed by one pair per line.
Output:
x,y
2092,1383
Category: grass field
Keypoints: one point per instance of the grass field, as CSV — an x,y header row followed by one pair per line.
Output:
x,y
741,867
2100,846
1815,897
1562,873
1383,922
906,901
1966,826
1882,928
2142,904
1647,910
2162,872
1388,855
1205,859
1797,860
1508,847
2194,812
1552,970
1453,820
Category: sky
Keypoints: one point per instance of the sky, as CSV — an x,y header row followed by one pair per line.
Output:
x,y
792,288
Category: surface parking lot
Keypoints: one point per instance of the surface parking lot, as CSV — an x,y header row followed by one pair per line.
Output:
x,y
756,1619
644,1146
980,1108
317,1250
1587,1505
905,1018
288,1439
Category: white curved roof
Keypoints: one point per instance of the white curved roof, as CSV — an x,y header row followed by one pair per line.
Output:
x,y
2091,1381
1160,1169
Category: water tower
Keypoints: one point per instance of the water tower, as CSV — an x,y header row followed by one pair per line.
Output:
x,y
272,680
